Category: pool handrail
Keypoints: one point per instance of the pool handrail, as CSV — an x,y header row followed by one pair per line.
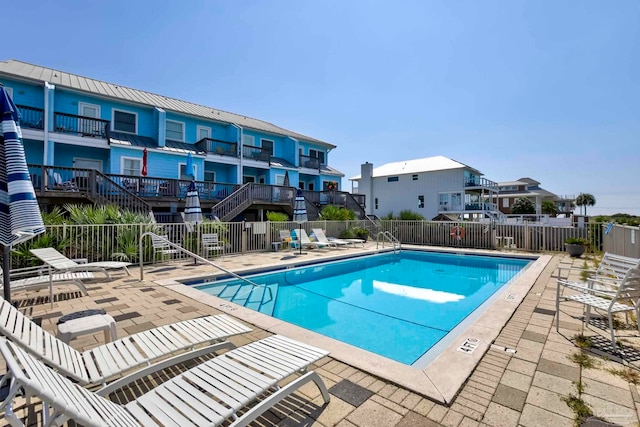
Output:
x,y
391,238
195,256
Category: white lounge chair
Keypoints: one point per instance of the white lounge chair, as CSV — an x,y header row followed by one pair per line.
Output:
x,y
206,395
62,263
32,279
181,340
304,240
626,298
322,238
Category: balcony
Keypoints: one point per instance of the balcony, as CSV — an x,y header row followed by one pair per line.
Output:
x,y
309,162
80,125
256,153
215,146
480,182
31,117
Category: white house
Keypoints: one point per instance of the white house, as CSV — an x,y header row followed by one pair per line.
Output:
x,y
430,186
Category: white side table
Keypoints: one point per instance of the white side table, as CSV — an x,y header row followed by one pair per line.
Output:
x,y
88,325
276,246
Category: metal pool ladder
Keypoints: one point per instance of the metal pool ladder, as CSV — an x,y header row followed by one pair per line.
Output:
x,y
179,248
386,235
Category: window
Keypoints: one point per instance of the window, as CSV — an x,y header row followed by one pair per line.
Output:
x,y
203,132
267,145
420,202
209,176
174,131
88,110
392,179
505,202
130,166
246,179
248,140
317,155
182,170
301,185
279,179
311,186
125,122
376,203
414,177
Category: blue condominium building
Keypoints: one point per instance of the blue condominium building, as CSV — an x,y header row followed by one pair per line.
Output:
x,y
89,141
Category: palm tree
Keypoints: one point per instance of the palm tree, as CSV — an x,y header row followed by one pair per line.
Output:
x,y
585,199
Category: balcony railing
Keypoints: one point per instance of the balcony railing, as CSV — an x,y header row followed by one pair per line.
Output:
x,y
480,182
309,162
215,146
256,153
81,125
31,117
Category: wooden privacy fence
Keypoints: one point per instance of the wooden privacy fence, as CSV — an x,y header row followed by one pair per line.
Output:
x,y
120,241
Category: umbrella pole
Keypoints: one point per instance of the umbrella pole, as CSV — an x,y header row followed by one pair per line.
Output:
x,y
6,270
300,239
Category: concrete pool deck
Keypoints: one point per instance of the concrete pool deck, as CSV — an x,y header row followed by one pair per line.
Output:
x,y
435,381
501,388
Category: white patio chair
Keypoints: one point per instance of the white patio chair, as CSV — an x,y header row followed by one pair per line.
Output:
x,y
62,263
152,349
206,395
161,246
211,243
610,272
626,298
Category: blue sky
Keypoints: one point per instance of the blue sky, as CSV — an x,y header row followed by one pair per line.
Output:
x,y
543,89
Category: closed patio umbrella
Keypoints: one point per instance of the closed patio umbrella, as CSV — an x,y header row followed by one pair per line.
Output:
x,y
192,210
299,213
145,155
20,218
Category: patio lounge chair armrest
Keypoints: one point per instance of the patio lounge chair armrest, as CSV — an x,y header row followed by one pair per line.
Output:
x,y
570,269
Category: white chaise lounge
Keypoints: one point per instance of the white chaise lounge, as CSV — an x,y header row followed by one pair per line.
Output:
x,y
58,261
206,395
36,281
170,344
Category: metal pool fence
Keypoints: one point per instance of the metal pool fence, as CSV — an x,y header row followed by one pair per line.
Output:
x,y
120,241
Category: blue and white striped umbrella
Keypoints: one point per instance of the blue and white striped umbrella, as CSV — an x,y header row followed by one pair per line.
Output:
x,y
299,213
299,208
20,217
192,210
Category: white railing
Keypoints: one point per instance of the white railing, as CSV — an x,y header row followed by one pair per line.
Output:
x,y
120,241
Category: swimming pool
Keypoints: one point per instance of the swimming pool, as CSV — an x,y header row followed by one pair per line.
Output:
x,y
396,305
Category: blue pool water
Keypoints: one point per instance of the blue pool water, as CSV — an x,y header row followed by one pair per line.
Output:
x,y
395,305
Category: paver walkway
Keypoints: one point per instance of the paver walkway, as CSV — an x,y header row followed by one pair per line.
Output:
x,y
521,380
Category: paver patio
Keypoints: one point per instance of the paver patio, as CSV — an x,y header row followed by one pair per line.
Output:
x,y
507,388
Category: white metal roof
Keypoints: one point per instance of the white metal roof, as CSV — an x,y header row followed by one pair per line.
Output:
x,y
427,164
60,78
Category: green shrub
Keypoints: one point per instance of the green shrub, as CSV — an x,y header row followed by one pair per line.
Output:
x,y
337,213
277,216
408,215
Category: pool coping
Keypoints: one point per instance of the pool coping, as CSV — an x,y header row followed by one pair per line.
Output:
x,y
439,380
